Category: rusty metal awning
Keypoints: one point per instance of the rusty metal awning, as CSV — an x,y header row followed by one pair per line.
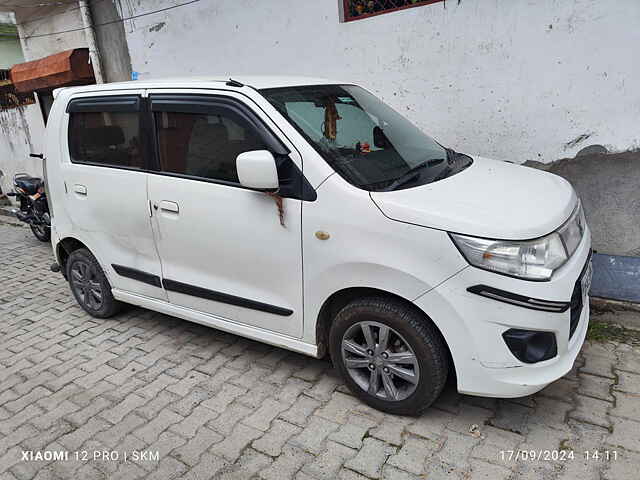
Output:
x,y
70,67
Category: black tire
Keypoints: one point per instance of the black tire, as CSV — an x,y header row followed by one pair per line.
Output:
x,y
42,233
412,333
84,287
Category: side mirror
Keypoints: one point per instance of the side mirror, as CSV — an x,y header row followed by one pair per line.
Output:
x,y
257,170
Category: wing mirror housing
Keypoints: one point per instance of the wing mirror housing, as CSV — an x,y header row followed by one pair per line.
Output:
x,y
257,170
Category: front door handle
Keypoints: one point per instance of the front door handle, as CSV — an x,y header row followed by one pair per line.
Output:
x,y
80,189
168,206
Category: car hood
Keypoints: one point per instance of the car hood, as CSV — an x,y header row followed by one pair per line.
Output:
x,y
490,199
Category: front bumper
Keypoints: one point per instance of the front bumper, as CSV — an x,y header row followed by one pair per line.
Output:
x,y
473,326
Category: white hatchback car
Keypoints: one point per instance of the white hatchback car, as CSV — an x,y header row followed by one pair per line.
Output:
x,y
307,214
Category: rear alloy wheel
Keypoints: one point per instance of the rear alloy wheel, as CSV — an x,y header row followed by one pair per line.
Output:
x,y
90,285
390,355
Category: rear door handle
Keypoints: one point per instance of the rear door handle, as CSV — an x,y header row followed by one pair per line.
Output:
x,y
168,206
80,189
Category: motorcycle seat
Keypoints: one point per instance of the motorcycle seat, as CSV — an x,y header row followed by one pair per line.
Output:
x,y
29,184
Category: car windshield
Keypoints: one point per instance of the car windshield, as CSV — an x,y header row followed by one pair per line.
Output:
x,y
368,143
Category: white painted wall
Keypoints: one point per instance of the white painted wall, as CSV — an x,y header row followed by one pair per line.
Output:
x,y
33,23
21,133
515,80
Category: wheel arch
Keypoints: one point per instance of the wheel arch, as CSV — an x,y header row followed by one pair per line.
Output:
x,y
339,299
64,248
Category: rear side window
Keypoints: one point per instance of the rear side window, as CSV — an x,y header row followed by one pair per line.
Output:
x,y
106,131
204,145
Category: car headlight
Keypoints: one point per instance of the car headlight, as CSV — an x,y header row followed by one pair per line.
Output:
x,y
529,259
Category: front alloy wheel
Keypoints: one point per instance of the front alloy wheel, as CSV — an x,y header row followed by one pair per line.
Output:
x,y
380,361
390,354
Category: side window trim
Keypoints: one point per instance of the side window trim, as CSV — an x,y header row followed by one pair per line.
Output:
x,y
126,103
202,104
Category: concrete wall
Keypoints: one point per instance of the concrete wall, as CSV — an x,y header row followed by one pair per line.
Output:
x,y
517,80
112,41
33,22
21,133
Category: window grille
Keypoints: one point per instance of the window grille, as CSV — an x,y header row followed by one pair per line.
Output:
x,y
357,9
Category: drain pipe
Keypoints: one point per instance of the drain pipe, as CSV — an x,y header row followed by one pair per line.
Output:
x,y
90,36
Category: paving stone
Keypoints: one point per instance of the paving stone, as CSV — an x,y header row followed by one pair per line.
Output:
x,y
551,413
371,457
627,406
262,417
562,390
151,409
431,424
626,434
301,411
272,442
470,415
595,386
511,416
457,449
233,445
206,468
227,420
285,466
597,365
191,451
627,382
327,464
592,411
339,407
391,429
482,470
72,441
352,432
623,467
150,431
126,406
247,466
413,454
190,425
313,435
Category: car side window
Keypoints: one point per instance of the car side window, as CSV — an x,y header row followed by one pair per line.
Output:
x,y
106,138
204,145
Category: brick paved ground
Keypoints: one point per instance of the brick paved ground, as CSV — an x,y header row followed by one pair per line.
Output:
x,y
216,405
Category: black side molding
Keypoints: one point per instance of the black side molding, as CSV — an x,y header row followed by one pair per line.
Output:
x,y
138,275
519,300
178,287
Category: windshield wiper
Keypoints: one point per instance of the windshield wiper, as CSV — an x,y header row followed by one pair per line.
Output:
x,y
412,174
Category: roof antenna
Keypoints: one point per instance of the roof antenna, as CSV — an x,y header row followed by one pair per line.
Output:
x,y
234,83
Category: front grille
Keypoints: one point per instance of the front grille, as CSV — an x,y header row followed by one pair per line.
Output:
x,y
576,307
576,300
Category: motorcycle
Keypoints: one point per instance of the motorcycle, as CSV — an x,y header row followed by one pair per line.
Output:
x,y
34,208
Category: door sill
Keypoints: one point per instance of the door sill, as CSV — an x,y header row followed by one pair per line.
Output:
x,y
216,322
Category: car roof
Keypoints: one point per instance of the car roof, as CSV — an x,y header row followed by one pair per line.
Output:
x,y
214,81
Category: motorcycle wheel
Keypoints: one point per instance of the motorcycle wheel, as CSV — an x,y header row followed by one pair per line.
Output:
x,y
41,232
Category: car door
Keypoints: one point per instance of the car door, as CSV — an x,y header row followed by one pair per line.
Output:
x,y
225,250
105,179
